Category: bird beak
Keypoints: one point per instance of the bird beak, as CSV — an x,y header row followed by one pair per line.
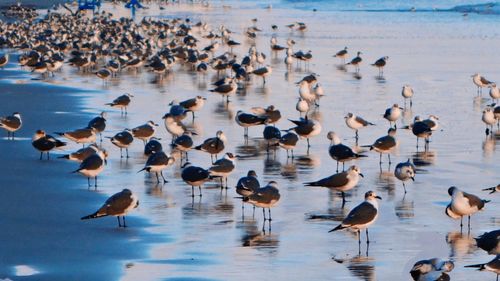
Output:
x,y
401,108
105,161
412,178
204,98
361,175
493,189
156,125
378,197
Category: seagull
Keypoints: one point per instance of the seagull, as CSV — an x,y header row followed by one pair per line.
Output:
x,y
183,143
392,114
494,92
11,124
226,89
434,269
265,197
117,205
123,140
463,204
490,242
45,143
342,182
194,176
272,135
213,146
432,122
152,146
385,144
81,153
421,130
407,93
246,186
405,171
98,123
271,113
263,72
306,128
194,104
223,167
342,54
121,102
480,82
356,61
145,132
177,111
356,122
302,106
380,63
305,92
493,266
489,119
156,163
173,126
83,136
4,60
93,166
319,92
362,216
246,120
288,142
493,189
340,152
104,74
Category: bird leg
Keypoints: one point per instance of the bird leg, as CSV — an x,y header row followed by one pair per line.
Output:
x,y
199,187
164,180
124,224
121,155
48,155
95,182
270,219
192,191
461,224
126,150
264,213
41,154
367,238
119,222
404,187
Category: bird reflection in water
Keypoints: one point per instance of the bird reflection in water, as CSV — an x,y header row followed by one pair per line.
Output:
x,y
224,109
335,212
223,206
248,149
306,163
357,76
195,209
271,166
258,238
489,147
404,209
359,266
289,170
461,244
424,158
341,67
386,183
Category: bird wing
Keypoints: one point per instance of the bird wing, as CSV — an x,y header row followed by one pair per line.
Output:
x,y
362,214
474,200
93,162
11,122
385,143
116,204
188,103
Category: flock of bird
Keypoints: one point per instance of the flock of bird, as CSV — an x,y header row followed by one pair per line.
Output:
x,y
107,47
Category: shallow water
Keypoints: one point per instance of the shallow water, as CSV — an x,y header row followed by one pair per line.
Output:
x,y
208,239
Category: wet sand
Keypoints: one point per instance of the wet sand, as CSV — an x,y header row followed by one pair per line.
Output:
x,y
172,237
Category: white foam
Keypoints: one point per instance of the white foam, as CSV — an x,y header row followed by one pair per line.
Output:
x,y
24,270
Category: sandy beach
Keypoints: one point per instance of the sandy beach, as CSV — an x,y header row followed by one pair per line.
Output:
x,y
174,237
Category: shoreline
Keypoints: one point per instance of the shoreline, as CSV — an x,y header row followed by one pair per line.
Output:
x,y
58,199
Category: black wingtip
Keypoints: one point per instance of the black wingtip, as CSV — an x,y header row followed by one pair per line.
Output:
x,y
337,228
91,216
